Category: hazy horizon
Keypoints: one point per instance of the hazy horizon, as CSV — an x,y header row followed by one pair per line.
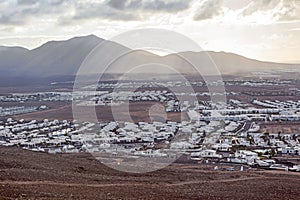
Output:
x,y
204,50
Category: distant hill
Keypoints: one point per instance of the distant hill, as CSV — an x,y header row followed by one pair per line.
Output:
x,y
230,63
12,59
58,58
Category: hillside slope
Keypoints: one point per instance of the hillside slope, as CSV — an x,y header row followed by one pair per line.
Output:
x,y
58,58
34,175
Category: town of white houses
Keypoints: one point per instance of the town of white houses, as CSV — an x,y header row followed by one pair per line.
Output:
x,y
257,127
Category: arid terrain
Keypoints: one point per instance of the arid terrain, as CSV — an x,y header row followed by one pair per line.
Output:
x,y
33,175
36,175
159,99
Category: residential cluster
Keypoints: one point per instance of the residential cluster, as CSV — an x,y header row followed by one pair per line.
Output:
x,y
16,110
37,96
226,133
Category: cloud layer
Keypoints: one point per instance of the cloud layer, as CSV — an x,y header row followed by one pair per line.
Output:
x,y
275,10
20,12
227,25
280,10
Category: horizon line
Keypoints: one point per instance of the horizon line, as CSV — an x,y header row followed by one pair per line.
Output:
x,y
204,50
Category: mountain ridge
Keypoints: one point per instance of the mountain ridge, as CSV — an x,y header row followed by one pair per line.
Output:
x,y
64,57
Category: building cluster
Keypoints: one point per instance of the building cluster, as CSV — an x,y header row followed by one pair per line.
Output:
x,y
179,83
221,141
38,96
120,97
16,110
229,132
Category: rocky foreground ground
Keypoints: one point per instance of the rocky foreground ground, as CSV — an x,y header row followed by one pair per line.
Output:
x,y
34,175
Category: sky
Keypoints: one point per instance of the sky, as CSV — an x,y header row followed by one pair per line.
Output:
x,y
262,29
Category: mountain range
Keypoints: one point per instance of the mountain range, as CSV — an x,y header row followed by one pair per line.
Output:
x,y
63,58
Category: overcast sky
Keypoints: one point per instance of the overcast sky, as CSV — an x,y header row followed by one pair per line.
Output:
x,y
261,29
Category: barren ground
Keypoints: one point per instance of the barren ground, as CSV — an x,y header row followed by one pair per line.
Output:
x,y
33,175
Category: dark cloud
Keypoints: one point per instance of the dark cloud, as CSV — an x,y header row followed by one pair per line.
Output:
x,y
117,4
21,11
209,9
150,5
13,14
96,10
11,20
123,10
27,2
100,11
43,2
